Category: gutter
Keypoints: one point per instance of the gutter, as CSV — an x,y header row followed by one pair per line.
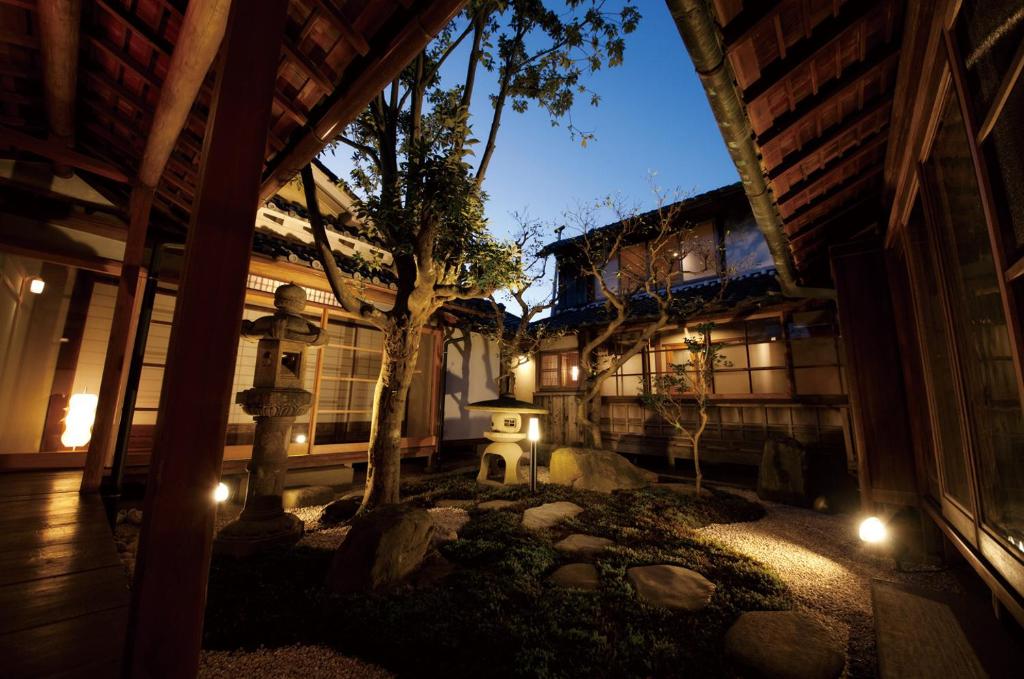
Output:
x,y
700,36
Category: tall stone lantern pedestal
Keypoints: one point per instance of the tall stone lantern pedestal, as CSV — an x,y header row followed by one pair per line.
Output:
x,y
505,434
276,399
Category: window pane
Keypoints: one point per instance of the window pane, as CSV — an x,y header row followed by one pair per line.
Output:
x,y
732,382
765,330
817,381
734,356
814,351
1005,151
768,355
769,381
990,382
989,32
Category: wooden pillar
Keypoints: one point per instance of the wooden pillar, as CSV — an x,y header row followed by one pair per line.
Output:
x,y
169,592
122,335
878,398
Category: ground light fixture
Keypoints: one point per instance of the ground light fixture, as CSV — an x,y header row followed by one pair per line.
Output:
x,y
221,492
300,438
533,434
36,285
872,530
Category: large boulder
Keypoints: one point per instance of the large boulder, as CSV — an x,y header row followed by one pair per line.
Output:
x,y
340,510
383,547
600,470
783,645
306,496
793,474
783,475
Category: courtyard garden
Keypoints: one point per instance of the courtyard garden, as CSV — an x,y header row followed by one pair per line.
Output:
x,y
554,595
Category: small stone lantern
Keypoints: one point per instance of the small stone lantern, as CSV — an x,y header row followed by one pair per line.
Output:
x,y
505,434
276,399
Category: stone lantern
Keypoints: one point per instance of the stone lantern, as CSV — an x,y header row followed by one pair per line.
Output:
x,y
275,400
505,434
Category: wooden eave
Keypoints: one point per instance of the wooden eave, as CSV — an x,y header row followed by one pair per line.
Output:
x,y
125,49
817,78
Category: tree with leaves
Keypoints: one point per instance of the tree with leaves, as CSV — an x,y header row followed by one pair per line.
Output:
x,y
685,386
418,181
637,264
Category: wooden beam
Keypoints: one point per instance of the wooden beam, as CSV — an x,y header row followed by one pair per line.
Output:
x,y
345,27
851,17
382,64
865,147
201,33
169,592
59,153
830,93
828,136
749,19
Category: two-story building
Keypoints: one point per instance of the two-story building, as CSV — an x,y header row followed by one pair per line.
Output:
x,y
783,369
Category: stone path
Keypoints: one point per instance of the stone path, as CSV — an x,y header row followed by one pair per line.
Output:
x,y
583,545
550,514
576,576
826,568
672,587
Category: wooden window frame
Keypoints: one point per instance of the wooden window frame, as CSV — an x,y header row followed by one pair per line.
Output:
x,y
564,368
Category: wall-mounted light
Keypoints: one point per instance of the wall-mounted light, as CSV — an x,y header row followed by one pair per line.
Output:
x,y
574,372
300,438
221,492
872,530
36,285
78,421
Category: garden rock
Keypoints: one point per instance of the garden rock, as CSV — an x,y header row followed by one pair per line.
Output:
x,y
306,496
671,587
583,545
600,470
576,576
383,547
496,504
783,644
134,517
340,510
550,514
782,476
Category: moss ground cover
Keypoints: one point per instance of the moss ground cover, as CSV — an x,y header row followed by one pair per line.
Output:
x,y
496,615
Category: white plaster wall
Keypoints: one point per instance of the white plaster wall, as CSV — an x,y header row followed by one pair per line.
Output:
x,y
472,376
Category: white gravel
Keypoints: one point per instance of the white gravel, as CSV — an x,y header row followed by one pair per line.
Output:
x,y
826,567
299,661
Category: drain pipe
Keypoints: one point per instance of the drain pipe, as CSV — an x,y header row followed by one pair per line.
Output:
x,y
700,35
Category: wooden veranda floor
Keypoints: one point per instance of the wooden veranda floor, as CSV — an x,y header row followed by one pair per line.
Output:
x,y
63,590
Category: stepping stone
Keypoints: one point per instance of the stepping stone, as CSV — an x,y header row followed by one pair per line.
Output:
x,y
496,504
583,545
307,496
458,504
576,576
784,644
671,587
546,516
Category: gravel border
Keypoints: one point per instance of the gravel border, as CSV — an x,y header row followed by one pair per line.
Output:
x,y
298,661
828,570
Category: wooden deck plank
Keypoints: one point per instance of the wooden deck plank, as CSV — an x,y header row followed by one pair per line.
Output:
x,y
17,485
63,591
48,600
75,646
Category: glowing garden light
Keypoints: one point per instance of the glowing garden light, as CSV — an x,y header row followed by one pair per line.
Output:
x,y
36,285
300,438
78,421
221,492
533,434
872,530
574,372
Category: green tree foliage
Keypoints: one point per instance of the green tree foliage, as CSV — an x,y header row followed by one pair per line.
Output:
x,y
419,173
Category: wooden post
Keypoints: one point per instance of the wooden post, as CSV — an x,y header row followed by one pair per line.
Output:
x,y
169,592
122,335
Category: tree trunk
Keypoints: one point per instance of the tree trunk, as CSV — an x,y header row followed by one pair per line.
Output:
x,y
401,349
590,426
696,447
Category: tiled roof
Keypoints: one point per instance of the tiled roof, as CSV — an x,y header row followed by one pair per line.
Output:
x,y
744,292
687,208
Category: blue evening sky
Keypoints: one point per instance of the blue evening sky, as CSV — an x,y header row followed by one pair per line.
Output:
x,y
653,118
